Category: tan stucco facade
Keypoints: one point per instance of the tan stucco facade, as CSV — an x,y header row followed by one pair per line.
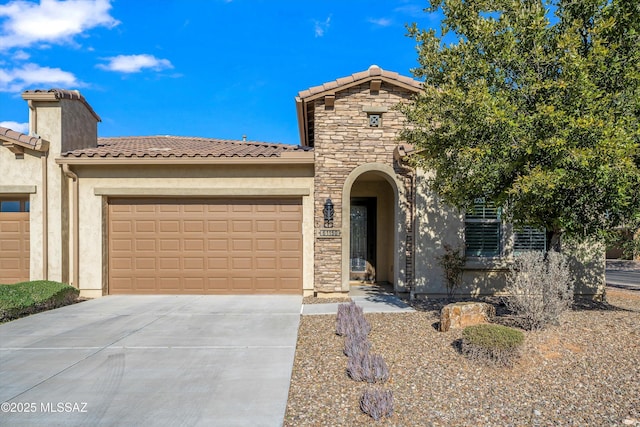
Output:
x,y
348,156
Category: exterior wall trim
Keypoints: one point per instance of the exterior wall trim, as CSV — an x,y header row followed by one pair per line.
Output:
x,y
391,177
183,192
17,189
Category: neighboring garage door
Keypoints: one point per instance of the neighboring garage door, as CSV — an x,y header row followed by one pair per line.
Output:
x,y
195,246
14,240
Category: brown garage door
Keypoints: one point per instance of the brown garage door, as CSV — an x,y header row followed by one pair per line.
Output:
x,y
14,241
205,246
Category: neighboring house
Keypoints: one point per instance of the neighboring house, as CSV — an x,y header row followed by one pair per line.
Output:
x,y
163,214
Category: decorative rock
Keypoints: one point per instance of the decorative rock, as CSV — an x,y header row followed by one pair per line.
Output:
x,y
462,314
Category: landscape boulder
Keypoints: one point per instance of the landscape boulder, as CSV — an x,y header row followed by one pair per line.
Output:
x,y
462,314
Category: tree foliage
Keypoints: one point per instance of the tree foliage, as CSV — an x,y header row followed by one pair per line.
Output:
x,y
536,107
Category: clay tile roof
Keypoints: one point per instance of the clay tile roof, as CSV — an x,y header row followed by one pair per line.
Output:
x,y
373,72
12,137
55,93
178,146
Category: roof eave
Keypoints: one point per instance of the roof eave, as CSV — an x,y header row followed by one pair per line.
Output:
x,y
305,158
334,90
41,146
302,121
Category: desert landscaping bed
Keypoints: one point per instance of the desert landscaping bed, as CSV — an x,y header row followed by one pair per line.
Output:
x,y
585,371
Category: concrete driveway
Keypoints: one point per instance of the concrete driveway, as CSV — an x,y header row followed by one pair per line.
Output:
x,y
151,360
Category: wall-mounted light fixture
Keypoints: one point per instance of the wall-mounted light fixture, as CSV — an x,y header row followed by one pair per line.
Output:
x,y
328,213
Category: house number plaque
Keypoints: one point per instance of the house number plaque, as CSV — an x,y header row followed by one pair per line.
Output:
x,y
329,233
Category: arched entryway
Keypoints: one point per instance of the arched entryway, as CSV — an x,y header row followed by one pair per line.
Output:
x,y
373,227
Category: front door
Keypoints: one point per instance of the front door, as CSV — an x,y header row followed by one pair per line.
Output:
x,y
363,239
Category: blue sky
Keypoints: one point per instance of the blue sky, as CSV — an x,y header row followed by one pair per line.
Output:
x,y
209,68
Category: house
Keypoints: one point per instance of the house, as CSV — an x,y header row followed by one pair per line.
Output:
x,y
166,214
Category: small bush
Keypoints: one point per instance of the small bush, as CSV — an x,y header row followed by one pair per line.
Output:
x,y
26,298
540,288
350,320
367,367
452,263
496,344
377,403
356,344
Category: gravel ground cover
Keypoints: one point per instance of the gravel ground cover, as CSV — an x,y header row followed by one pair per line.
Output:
x,y
583,372
316,300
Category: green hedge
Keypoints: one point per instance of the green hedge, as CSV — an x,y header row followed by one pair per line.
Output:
x,y
26,298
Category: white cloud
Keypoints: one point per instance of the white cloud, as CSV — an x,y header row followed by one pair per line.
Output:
x,y
322,26
24,24
135,63
29,75
20,55
18,127
381,22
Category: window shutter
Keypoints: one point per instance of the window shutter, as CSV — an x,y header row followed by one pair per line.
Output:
x,y
529,239
482,239
483,229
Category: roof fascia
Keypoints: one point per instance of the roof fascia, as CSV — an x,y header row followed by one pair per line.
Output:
x,y
301,109
11,144
337,89
297,159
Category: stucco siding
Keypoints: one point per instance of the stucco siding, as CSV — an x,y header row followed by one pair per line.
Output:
x,y
79,127
24,177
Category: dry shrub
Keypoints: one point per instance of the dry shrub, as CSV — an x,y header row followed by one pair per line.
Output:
x,y
350,320
367,367
540,288
355,345
377,403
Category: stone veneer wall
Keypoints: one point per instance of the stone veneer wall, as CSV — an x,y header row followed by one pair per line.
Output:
x,y
343,141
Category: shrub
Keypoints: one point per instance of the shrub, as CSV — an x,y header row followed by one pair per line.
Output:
x,y
25,298
350,320
367,367
496,344
377,403
356,344
540,288
452,263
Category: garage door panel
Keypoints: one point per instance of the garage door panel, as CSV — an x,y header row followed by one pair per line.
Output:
x,y
242,244
145,263
217,245
192,226
169,245
290,226
169,264
14,247
218,263
146,245
121,226
205,246
143,226
289,263
241,226
194,264
218,226
294,245
169,226
193,245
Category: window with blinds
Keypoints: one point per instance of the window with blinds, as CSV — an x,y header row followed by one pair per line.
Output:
x,y
483,229
529,239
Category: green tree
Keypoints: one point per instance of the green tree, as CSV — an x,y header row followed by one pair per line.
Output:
x,y
535,106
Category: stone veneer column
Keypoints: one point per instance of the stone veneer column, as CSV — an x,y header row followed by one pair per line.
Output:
x,y
343,141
